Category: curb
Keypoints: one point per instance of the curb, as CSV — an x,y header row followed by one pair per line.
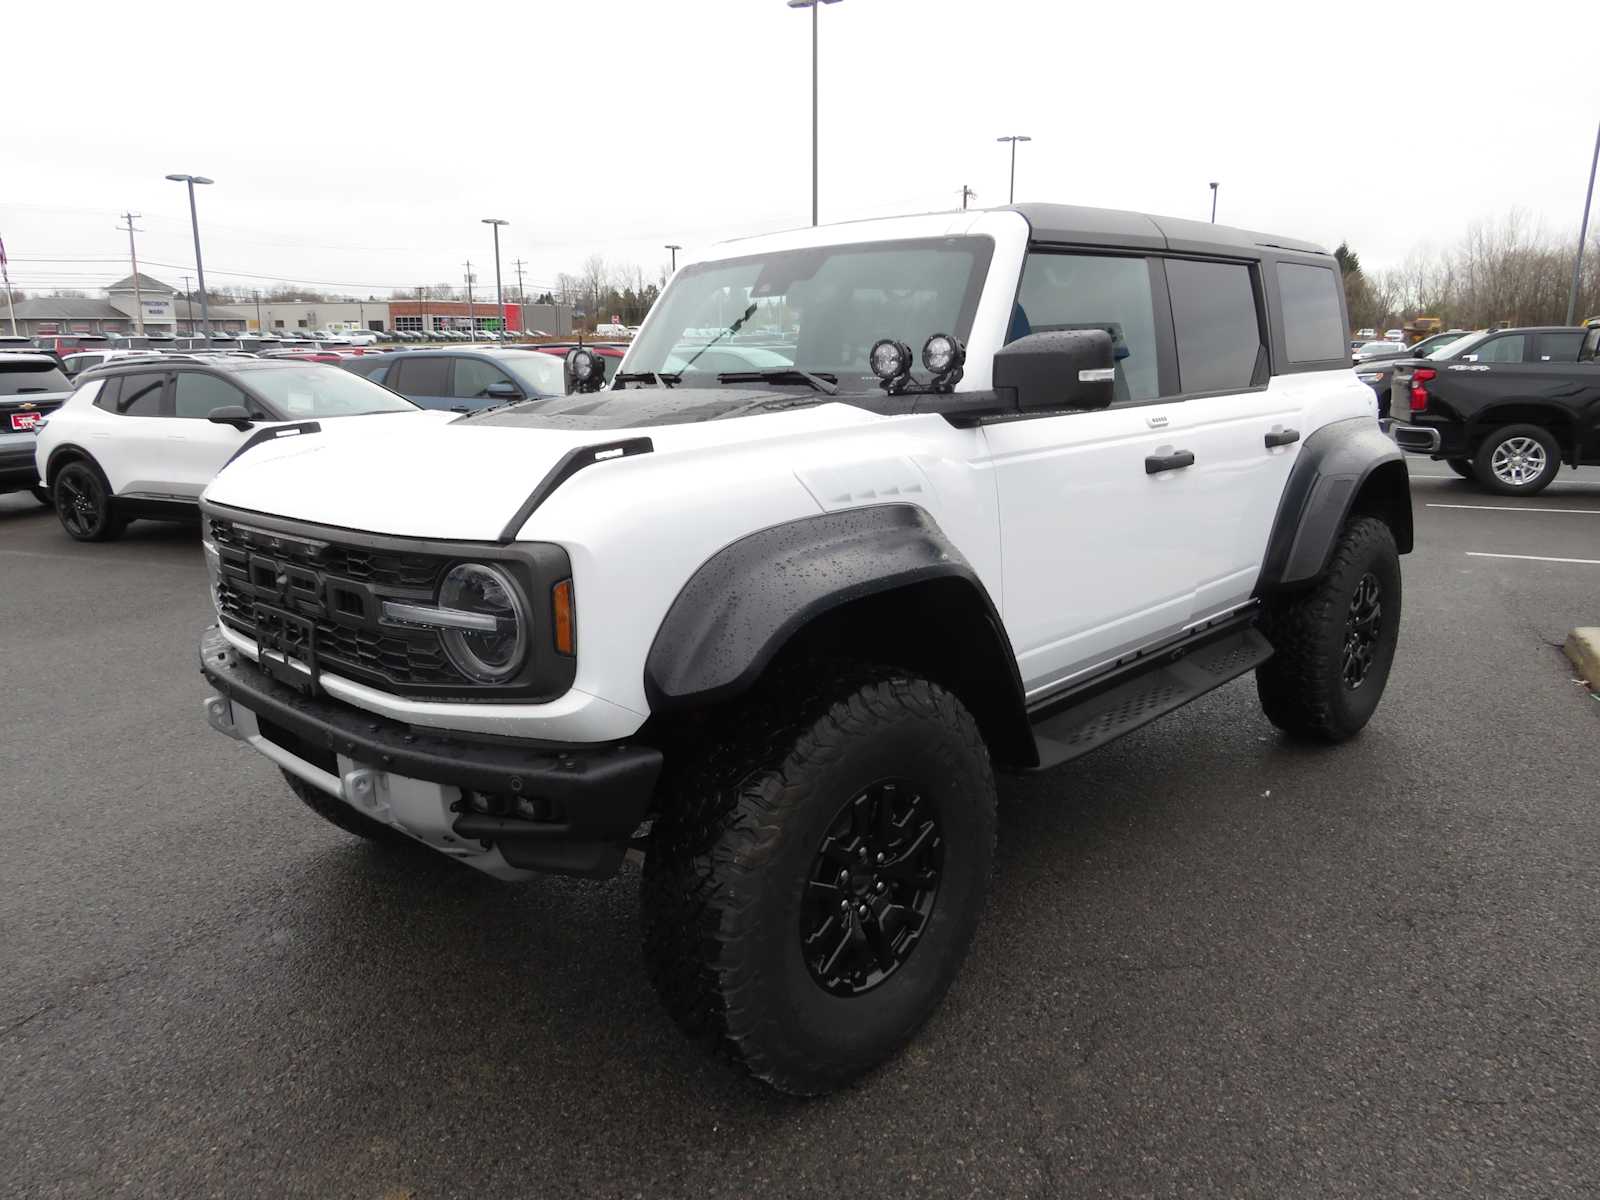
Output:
x,y
1583,648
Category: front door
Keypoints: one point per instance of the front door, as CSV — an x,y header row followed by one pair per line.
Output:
x,y
197,448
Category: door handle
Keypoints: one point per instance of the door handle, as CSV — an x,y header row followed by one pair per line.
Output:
x,y
1154,464
1282,437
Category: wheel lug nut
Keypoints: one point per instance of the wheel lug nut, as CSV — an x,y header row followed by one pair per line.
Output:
x,y
881,858
878,887
844,906
862,910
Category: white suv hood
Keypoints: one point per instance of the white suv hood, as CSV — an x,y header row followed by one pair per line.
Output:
x,y
420,475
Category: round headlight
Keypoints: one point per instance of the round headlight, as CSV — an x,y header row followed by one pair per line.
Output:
x,y
942,353
583,365
890,359
494,652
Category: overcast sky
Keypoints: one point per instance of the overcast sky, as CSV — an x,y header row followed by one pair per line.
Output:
x,y
358,145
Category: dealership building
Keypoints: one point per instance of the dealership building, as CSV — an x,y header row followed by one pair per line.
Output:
x,y
165,310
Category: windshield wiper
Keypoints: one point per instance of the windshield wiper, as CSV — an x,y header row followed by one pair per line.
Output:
x,y
823,383
659,378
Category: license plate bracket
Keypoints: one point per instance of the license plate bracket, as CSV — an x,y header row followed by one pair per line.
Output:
x,y
287,647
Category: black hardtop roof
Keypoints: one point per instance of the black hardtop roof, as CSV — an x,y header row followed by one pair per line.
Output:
x,y
1073,224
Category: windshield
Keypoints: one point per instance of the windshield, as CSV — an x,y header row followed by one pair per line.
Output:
x,y
1452,348
1380,348
316,390
819,310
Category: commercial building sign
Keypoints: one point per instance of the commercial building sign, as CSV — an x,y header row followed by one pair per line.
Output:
x,y
157,310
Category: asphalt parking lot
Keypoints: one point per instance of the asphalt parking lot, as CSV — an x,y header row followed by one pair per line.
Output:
x,y
1213,963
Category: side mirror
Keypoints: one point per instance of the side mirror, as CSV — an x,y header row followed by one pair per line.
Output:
x,y
231,414
503,391
1061,369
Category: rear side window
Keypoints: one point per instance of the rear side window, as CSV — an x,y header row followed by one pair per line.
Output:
x,y
1557,347
141,395
1313,323
1094,291
1220,347
28,379
422,377
195,394
1508,348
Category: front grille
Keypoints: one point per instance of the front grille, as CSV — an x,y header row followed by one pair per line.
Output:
x,y
340,588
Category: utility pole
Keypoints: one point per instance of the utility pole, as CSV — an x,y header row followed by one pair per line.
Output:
x,y
967,194
522,296
138,295
1583,232
261,326
6,275
422,309
472,324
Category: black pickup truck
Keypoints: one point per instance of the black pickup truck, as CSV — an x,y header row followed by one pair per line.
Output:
x,y
1508,413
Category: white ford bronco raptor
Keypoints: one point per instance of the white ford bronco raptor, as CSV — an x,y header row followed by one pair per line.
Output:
x,y
868,513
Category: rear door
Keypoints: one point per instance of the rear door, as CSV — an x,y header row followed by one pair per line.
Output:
x,y
132,450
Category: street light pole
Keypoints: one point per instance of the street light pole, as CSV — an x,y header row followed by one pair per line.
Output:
x,y
1014,139
199,267
674,247
499,295
1213,201
1583,232
814,6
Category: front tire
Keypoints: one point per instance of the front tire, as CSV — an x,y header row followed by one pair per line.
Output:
x,y
811,893
1517,460
1334,643
83,502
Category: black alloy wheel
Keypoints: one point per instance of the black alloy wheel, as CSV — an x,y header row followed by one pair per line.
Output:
x,y
872,888
1363,626
83,502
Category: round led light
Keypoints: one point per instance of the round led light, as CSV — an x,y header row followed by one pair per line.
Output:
x,y
942,353
583,364
488,656
890,359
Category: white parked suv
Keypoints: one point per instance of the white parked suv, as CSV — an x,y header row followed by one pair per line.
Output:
x,y
774,606
142,437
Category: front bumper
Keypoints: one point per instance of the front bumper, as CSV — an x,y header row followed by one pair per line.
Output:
x,y
506,807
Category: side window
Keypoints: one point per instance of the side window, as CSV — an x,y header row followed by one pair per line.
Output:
x,y
1220,347
474,377
195,394
141,395
1095,291
1504,349
422,377
110,393
1313,324
1557,347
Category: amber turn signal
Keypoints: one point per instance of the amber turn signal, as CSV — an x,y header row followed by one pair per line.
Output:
x,y
566,618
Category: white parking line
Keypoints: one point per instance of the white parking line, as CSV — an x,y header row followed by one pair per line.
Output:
x,y
1588,562
1593,512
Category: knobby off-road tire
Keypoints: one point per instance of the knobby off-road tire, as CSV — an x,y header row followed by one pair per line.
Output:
x,y
82,499
761,842
341,814
1335,641
1462,467
1517,460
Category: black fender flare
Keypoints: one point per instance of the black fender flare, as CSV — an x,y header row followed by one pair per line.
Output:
x,y
745,602
61,454
1341,463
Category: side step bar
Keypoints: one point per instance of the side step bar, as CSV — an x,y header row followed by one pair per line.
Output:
x,y
1105,709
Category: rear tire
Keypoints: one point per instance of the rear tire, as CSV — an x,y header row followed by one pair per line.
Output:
x,y
1517,460
1334,642
82,500
337,812
774,927
1462,467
